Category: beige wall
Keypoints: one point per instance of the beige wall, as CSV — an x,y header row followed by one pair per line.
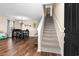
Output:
x,y
59,13
32,29
3,24
17,25
58,16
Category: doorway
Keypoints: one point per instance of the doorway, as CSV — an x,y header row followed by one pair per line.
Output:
x,y
10,27
47,11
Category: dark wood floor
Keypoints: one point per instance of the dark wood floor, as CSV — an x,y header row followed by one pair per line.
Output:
x,y
21,47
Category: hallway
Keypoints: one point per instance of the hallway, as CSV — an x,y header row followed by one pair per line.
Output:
x,y
50,41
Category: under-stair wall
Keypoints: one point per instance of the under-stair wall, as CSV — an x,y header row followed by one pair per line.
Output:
x,y
40,32
58,16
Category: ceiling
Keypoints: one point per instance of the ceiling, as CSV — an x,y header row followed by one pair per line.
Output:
x,y
32,11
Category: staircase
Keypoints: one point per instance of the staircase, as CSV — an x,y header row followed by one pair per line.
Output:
x,y
50,42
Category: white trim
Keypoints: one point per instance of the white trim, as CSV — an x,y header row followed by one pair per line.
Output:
x,y
50,51
61,31
40,32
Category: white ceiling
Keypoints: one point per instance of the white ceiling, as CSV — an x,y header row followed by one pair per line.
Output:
x,y
32,11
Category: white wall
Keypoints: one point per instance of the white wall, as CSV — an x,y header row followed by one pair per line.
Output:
x,y
40,32
58,16
3,24
51,10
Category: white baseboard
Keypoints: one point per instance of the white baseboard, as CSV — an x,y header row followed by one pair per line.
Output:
x,y
38,50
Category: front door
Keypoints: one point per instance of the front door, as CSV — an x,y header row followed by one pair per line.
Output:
x,y
71,45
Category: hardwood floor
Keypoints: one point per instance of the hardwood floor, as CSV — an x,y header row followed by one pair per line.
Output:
x,y
21,47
